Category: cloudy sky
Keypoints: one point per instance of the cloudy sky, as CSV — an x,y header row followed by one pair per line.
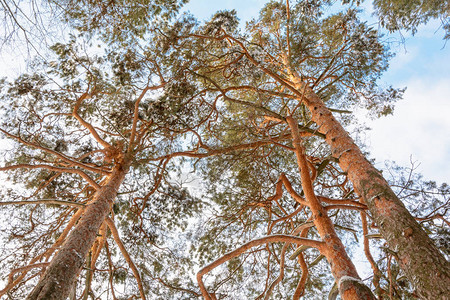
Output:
x,y
419,130
420,126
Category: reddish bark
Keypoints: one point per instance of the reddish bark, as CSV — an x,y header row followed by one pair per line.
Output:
x,y
61,274
344,271
426,268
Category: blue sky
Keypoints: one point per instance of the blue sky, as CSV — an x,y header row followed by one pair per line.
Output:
x,y
419,130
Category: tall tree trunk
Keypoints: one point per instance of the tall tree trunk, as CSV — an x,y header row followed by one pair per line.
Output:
x,y
61,274
344,272
424,265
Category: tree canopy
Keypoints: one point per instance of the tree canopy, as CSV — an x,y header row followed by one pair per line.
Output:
x,y
154,156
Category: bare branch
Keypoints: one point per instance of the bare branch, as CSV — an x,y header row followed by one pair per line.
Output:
x,y
85,176
256,242
136,112
87,125
65,158
125,254
43,201
280,277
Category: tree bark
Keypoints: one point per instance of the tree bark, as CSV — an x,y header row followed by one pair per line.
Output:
x,y
344,272
424,265
61,274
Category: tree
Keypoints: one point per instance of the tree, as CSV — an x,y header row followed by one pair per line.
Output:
x,y
347,63
408,15
100,139
80,124
41,20
395,15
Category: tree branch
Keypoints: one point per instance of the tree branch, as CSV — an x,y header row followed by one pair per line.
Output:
x,y
136,112
87,125
86,177
43,201
65,158
245,247
125,254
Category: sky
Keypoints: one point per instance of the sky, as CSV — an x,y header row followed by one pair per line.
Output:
x,y
419,129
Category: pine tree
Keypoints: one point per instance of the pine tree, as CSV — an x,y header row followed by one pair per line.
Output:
x,y
296,59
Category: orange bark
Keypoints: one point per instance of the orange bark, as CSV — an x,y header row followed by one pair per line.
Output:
x,y
127,256
65,266
344,272
424,265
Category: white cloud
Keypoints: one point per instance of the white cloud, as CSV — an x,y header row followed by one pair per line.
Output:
x,y
419,128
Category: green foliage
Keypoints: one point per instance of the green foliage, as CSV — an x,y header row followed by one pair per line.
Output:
x,y
409,14
113,21
221,22
213,88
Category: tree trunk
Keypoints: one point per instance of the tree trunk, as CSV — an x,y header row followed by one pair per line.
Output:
x,y
344,272
424,265
61,274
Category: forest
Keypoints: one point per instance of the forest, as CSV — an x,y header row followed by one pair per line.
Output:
x,y
148,154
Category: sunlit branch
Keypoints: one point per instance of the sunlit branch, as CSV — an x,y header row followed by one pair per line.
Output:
x,y
343,201
125,254
159,177
342,206
63,157
56,169
272,74
111,270
43,201
64,234
280,277
330,65
300,289
268,112
87,125
89,275
436,216
136,113
224,150
376,271
254,105
25,268
287,184
256,242
99,244
43,185
289,216
177,287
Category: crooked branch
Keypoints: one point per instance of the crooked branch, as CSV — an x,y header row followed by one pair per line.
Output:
x,y
85,176
88,125
63,157
276,238
136,112
43,201
125,254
